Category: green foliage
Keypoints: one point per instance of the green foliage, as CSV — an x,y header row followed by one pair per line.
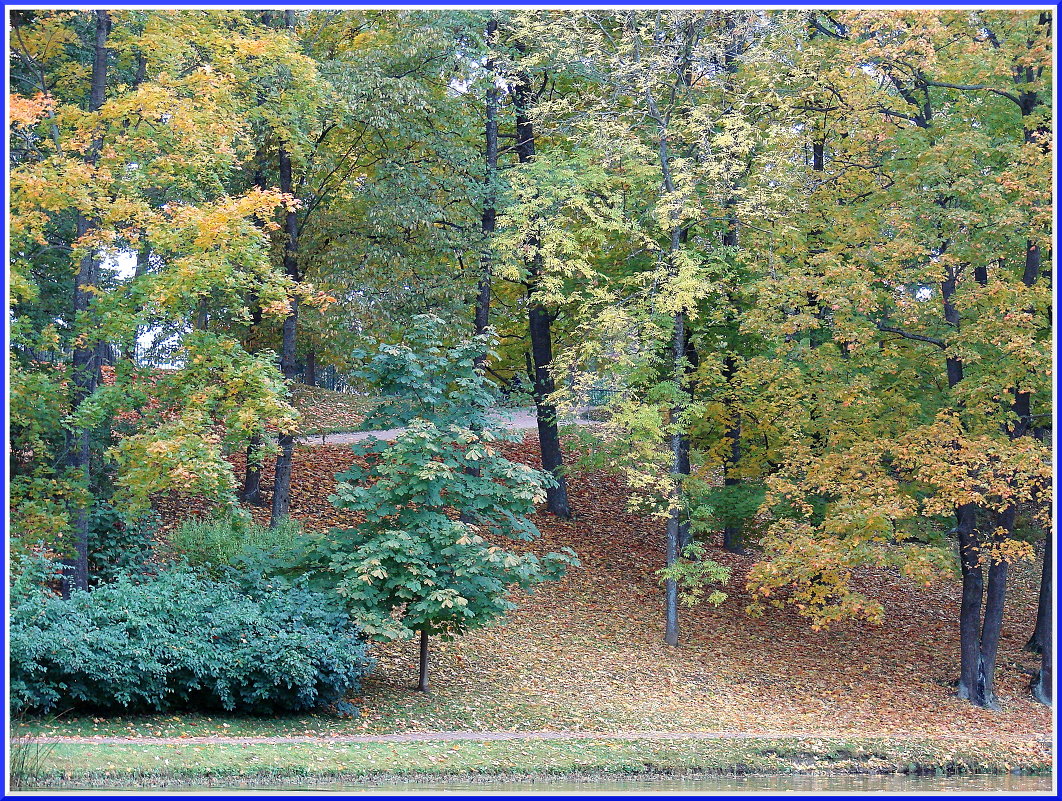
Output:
x,y
409,565
179,640
118,542
696,575
230,539
733,505
423,378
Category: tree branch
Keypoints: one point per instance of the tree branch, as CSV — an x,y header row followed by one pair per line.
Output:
x,y
888,329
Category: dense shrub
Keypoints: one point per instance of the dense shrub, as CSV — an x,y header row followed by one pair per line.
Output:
x,y
180,640
118,542
221,541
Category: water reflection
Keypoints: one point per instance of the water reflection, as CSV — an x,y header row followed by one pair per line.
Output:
x,y
840,783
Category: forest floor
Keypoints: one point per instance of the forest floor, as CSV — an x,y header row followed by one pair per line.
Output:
x,y
338,418
324,411
586,656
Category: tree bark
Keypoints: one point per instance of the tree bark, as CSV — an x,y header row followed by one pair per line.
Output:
x,y
286,442
252,481
546,412
539,324
422,684
970,605
990,631
85,367
685,537
489,214
1041,685
1043,606
674,521
310,376
977,649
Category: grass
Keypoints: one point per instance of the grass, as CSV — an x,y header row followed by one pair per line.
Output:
x,y
27,756
87,764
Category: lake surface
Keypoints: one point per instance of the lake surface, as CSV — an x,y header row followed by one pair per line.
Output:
x,y
840,783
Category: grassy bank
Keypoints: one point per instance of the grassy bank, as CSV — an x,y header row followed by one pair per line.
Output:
x,y
88,764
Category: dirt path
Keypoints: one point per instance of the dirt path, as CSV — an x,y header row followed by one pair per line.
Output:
x,y
519,419
495,736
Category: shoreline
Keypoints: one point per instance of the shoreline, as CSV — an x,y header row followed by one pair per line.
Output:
x,y
85,765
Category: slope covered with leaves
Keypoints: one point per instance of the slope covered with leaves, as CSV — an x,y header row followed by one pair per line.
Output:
x,y
325,411
587,653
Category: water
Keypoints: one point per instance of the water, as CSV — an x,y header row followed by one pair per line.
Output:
x,y
838,783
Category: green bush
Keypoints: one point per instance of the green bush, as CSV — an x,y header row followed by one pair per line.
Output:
x,y
180,640
119,543
221,541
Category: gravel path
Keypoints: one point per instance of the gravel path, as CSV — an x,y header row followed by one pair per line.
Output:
x,y
519,419
494,736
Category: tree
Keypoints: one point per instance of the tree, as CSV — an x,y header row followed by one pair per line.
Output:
x,y
123,149
657,110
540,318
911,291
410,566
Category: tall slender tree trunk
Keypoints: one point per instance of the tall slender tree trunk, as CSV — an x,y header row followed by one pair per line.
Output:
x,y
680,466
1043,605
733,530
685,537
991,628
675,518
286,442
422,684
488,216
539,325
978,640
676,513
972,597
85,368
252,478
1041,685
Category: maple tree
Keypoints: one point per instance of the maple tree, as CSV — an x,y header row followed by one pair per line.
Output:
x,y
920,228
120,154
409,566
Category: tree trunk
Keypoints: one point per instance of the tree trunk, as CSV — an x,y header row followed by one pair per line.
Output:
x,y
546,412
692,362
286,442
489,213
970,605
675,519
1043,606
85,365
990,631
252,481
539,322
979,641
684,535
422,684
1041,684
